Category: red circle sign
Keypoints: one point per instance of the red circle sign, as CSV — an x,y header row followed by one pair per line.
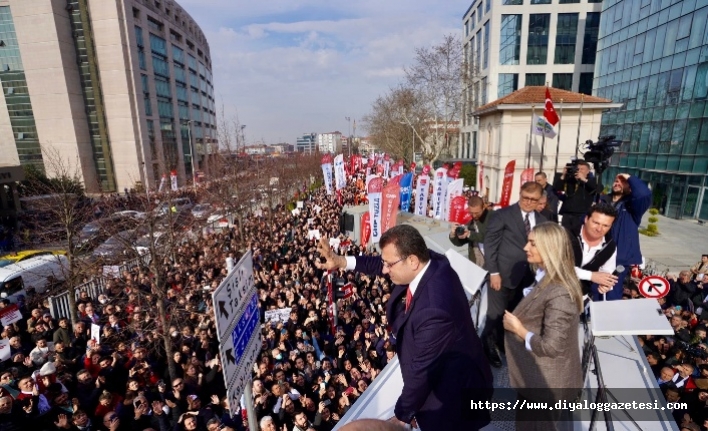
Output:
x,y
654,287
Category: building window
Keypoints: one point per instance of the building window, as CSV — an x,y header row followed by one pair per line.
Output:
x,y
513,2
535,79
485,57
139,36
478,52
484,90
480,14
472,20
539,24
160,66
487,5
508,83
564,81
154,24
569,1
592,27
177,54
540,1
585,84
179,73
473,150
510,43
467,28
162,87
566,37
158,45
594,1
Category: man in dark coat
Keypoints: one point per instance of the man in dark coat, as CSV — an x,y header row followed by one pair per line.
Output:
x,y
475,231
438,349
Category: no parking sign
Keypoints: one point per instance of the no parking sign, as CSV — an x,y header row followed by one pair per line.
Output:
x,y
654,287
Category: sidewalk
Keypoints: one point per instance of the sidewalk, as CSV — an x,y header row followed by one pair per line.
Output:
x,y
679,245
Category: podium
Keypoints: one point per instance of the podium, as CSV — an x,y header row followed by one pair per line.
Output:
x,y
621,369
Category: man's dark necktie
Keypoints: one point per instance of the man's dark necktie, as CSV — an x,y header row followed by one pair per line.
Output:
x,y
527,224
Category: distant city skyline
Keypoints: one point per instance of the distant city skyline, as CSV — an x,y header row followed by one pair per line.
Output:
x,y
291,67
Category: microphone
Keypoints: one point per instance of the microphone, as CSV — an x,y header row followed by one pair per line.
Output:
x,y
619,269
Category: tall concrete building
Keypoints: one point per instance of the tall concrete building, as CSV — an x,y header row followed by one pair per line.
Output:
x,y
653,58
307,143
114,88
330,142
510,44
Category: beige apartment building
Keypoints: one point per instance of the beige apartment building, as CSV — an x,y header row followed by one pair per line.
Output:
x,y
120,89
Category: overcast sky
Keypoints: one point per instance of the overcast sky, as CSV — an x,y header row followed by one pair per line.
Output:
x,y
289,67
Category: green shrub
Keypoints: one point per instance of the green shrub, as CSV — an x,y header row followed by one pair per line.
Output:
x,y
654,211
653,219
652,228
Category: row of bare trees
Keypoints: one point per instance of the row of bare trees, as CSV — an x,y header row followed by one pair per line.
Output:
x,y
424,111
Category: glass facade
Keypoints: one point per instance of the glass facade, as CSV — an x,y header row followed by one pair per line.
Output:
x,y
592,27
89,76
485,54
17,99
566,37
508,83
537,79
653,58
564,81
537,51
510,43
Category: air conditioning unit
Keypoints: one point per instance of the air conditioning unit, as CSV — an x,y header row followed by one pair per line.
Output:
x,y
20,135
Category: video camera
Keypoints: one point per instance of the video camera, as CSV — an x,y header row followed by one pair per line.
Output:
x,y
599,153
692,350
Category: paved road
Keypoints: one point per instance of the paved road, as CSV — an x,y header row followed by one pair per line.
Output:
x,y
679,245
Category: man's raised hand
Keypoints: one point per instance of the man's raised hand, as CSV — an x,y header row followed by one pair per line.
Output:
x,y
332,261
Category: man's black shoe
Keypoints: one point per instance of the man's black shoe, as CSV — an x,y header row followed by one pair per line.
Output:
x,y
492,354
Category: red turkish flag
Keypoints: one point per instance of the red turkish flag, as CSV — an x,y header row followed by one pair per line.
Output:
x,y
548,111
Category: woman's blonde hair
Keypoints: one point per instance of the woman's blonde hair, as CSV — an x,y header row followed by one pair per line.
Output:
x,y
553,244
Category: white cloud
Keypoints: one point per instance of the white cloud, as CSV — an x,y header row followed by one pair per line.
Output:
x,y
294,66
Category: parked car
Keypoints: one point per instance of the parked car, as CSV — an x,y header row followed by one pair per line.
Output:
x,y
20,256
175,205
98,231
114,248
202,211
33,275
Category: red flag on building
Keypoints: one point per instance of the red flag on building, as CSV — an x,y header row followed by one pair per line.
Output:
x,y
549,111
526,176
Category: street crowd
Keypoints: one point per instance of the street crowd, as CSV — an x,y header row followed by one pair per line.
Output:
x,y
306,378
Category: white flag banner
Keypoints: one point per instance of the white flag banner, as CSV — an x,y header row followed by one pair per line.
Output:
x,y
95,335
173,181
439,189
421,195
542,127
375,195
162,183
445,202
340,176
327,174
387,168
454,189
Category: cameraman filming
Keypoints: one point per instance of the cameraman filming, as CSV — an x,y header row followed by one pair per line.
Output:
x,y
631,198
473,234
579,187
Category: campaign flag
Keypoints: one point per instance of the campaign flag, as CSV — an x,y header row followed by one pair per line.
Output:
x,y
374,190
458,209
412,166
379,170
390,202
526,176
439,189
406,185
10,314
4,349
426,170
162,183
480,183
327,172
365,229
421,195
508,181
542,127
453,190
386,165
340,176
549,111
400,167
173,180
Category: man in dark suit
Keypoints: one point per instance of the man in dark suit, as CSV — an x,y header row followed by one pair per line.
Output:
x,y
438,349
509,271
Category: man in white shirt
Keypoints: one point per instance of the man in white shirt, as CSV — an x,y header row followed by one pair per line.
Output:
x,y
595,251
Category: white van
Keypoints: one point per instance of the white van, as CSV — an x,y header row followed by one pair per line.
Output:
x,y
32,275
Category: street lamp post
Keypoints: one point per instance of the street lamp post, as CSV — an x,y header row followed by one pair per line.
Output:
x,y
349,136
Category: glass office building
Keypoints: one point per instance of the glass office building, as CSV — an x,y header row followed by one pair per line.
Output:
x,y
653,57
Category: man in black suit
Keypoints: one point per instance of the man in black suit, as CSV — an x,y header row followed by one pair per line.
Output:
x,y
438,349
509,271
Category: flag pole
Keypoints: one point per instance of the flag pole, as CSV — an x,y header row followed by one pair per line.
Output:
x,y
543,146
533,117
580,117
558,138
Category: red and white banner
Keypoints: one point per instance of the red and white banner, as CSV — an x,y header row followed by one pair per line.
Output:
x,y
374,190
327,172
340,175
508,183
412,167
458,210
480,183
421,195
173,180
10,315
526,176
439,189
454,189
391,201
386,165
365,229
347,291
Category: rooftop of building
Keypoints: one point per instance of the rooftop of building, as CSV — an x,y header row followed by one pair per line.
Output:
x,y
536,95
